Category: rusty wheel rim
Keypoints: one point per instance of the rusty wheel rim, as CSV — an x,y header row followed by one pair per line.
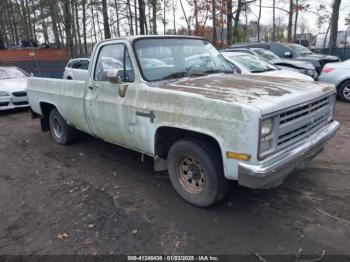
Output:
x,y
190,174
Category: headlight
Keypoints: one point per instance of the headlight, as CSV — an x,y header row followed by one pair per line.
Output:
x,y
332,103
3,93
266,127
266,137
308,72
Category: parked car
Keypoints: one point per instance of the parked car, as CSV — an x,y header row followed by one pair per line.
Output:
x,y
244,63
13,82
76,69
295,51
283,63
339,75
204,126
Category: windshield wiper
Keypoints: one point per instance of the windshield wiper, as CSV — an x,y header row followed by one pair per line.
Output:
x,y
182,74
262,71
214,71
174,75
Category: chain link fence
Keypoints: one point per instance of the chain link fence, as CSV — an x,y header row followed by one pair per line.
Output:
x,y
342,52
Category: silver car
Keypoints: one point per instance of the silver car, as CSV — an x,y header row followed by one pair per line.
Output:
x,y
339,75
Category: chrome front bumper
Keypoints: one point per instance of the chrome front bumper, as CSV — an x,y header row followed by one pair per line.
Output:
x,y
272,171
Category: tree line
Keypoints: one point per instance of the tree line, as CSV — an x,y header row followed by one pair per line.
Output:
x,y
78,24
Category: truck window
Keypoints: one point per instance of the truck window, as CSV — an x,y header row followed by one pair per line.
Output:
x,y
114,56
170,57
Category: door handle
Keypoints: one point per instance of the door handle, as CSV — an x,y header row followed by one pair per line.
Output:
x,y
93,87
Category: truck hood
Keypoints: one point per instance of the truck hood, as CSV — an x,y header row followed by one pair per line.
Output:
x,y
268,94
13,84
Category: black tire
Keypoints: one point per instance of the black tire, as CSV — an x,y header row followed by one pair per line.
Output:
x,y
344,91
61,132
209,185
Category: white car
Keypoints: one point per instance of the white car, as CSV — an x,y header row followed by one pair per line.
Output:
x,y
77,69
13,83
338,74
248,64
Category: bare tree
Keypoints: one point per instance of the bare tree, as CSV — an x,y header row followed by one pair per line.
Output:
x,y
187,19
106,28
334,23
258,22
290,21
68,27
142,17
229,21
213,9
83,5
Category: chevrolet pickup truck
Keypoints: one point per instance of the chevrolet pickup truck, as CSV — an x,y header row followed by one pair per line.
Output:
x,y
176,99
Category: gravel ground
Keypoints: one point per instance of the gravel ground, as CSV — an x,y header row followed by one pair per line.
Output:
x,y
96,198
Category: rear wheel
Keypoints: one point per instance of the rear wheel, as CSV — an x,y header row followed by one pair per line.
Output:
x,y
195,170
344,91
61,132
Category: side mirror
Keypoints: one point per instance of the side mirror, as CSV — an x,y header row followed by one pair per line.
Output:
x,y
113,76
288,54
31,74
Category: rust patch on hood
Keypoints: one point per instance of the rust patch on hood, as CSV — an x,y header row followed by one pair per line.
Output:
x,y
230,87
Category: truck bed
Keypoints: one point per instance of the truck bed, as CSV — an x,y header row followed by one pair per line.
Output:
x,y
67,95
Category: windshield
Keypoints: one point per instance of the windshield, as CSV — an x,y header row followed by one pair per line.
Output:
x,y
266,54
6,73
251,63
299,49
178,57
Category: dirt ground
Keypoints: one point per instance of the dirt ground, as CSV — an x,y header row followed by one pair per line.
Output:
x,y
96,198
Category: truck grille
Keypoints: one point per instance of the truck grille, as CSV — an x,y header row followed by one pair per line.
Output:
x,y
19,94
301,121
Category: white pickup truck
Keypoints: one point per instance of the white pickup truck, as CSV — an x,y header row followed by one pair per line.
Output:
x,y
176,99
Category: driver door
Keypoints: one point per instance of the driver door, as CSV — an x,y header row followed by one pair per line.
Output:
x,y
107,104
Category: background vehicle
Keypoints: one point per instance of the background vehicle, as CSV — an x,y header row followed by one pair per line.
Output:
x,y
295,51
249,64
339,75
283,63
76,69
204,125
13,82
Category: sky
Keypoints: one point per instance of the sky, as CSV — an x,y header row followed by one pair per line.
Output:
x,y
266,18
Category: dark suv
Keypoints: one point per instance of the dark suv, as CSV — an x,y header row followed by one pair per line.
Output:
x,y
294,51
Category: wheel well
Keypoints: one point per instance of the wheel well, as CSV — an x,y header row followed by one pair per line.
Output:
x,y
338,86
166,136
46,108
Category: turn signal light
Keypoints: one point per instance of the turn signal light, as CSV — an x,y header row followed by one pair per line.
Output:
x,y
238,156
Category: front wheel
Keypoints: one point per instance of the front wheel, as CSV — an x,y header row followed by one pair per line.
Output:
x,y
196,172
344,91
61,132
